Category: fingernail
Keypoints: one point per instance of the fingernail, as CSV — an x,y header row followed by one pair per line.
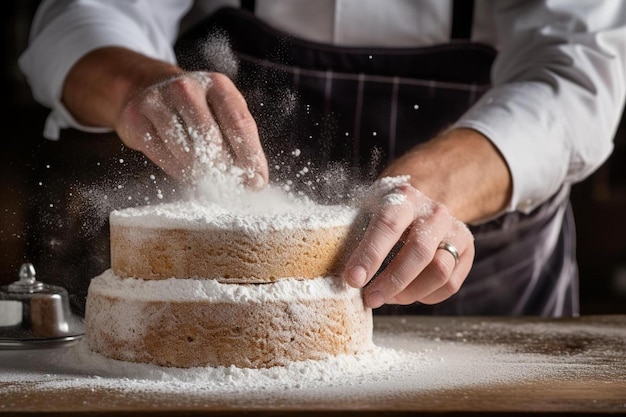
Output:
x,y
356,276
256,181
374,299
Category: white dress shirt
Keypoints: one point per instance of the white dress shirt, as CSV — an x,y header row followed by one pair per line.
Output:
x,y
559,82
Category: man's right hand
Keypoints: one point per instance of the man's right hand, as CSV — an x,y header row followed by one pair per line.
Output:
x,y
175,118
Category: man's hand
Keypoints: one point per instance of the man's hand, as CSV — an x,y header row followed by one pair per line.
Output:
x,y
421,270
459,175
175,118
194,118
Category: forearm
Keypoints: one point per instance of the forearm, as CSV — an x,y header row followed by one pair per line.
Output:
x,y
461,169
557,93
148,102
101,82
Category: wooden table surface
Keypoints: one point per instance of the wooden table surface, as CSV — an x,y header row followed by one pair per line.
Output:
x,y
471,366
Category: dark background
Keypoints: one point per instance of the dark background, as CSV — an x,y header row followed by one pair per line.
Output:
x,y
55,196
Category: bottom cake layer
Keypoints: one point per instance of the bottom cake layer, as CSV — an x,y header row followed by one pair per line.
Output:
x,y
189,322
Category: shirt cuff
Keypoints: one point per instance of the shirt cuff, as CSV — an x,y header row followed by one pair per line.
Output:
x,y
61,44
60,118
528,136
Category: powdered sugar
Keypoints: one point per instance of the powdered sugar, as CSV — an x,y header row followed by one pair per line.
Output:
x,y
409,361
209,290
386,185
389,191
338,371
394,199
346,372
252,212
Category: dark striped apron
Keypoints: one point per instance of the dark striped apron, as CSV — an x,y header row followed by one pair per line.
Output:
x,y
352,110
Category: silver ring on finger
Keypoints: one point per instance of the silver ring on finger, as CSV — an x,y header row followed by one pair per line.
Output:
x,y
451,249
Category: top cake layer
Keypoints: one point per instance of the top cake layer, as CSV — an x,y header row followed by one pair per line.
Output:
x,y
194,215
254,243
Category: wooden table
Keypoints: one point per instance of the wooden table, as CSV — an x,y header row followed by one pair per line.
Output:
x,y
489,366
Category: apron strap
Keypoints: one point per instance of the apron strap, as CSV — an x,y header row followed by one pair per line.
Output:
x,y
462,17
249,5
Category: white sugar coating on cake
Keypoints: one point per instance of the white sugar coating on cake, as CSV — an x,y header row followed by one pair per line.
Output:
x,y
259,212
209,290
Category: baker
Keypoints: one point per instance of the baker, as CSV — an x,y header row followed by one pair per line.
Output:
x,y
492,110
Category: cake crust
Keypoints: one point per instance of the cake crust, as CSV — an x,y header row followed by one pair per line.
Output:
x,y
229,255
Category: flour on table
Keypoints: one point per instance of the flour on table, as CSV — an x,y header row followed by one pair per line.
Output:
x,y
395,367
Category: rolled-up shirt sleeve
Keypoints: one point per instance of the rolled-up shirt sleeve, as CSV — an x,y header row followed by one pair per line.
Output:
x,y
559,84
64,31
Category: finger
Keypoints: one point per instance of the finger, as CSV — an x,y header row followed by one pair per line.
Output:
x,y
384,230
454,283
239,128
137,132
417,253
443,277
169,128
438,275
187,96
154,148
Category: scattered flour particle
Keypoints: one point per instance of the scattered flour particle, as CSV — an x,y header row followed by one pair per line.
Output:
x,y
389,184
394,199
